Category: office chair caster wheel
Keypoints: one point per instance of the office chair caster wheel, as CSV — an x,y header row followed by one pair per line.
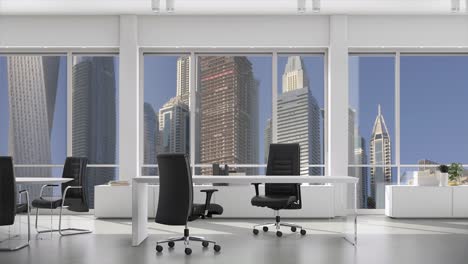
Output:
x,y
255,231
205,244
303,232
293,229
188,251
171,244
159,248
217,248
279,233
265,229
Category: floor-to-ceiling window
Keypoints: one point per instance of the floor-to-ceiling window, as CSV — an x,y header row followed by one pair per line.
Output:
x,y
371,126
166,107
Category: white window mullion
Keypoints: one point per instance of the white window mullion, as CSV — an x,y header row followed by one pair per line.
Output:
x,y
397,115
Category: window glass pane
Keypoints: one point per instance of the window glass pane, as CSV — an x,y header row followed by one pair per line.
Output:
x,y
166,107
371,123
95,115
301,107
234,111
434,98
33,112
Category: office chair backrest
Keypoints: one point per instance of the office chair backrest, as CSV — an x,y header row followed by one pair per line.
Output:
x,y
175,189
7,192
77,199
284,159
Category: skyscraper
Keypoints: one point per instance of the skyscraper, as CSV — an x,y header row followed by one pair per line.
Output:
x,y
267,138
357,156
183,79
229,111
360,157
95,117
298,115
32,89
151,133
174,124
381,155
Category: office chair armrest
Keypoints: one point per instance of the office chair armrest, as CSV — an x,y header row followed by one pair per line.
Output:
x,y
257,193
65,192
46,186
25,192
209,190
209,194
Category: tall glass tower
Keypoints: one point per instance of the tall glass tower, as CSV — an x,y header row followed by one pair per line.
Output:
x,y
95,117
380,155
32,89
298,116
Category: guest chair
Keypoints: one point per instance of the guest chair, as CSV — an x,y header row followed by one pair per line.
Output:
x,y
8,204
175,206
74,195
283,160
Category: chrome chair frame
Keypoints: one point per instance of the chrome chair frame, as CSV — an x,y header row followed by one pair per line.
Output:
x,y
14,245
60,230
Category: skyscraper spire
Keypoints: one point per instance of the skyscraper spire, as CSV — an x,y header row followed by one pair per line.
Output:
x,y
294,76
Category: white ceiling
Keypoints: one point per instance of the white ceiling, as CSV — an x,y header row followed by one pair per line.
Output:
x,y
227,7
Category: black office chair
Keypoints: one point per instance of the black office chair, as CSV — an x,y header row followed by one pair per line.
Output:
x,y
74,195
283,159
175,206
8,204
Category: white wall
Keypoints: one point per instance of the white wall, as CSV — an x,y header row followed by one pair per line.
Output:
x,y
59,31
407,31
233,31
337,33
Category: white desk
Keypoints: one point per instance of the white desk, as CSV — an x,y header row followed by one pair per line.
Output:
x,y
140,195
41,180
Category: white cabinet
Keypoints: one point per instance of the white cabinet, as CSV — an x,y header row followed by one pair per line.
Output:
x,y
460,201
426,201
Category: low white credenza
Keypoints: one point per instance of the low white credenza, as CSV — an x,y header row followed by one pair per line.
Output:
x,y
403,201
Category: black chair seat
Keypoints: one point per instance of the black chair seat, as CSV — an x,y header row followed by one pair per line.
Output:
x,y
44,203
275,202
199,209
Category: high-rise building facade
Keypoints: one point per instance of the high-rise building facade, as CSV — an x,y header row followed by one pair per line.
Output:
x,y
95,117
151,139
298,116
360,157
357,156
183,79
229,111
267,139
174,124
32,89
380,155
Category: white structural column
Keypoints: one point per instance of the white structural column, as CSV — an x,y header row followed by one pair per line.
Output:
x,y
129,98
129,123
337,156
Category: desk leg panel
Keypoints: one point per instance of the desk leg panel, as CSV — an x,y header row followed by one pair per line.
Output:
x,y
139,213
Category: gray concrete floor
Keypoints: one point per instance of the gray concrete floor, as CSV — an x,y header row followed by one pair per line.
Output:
x,y
380,240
